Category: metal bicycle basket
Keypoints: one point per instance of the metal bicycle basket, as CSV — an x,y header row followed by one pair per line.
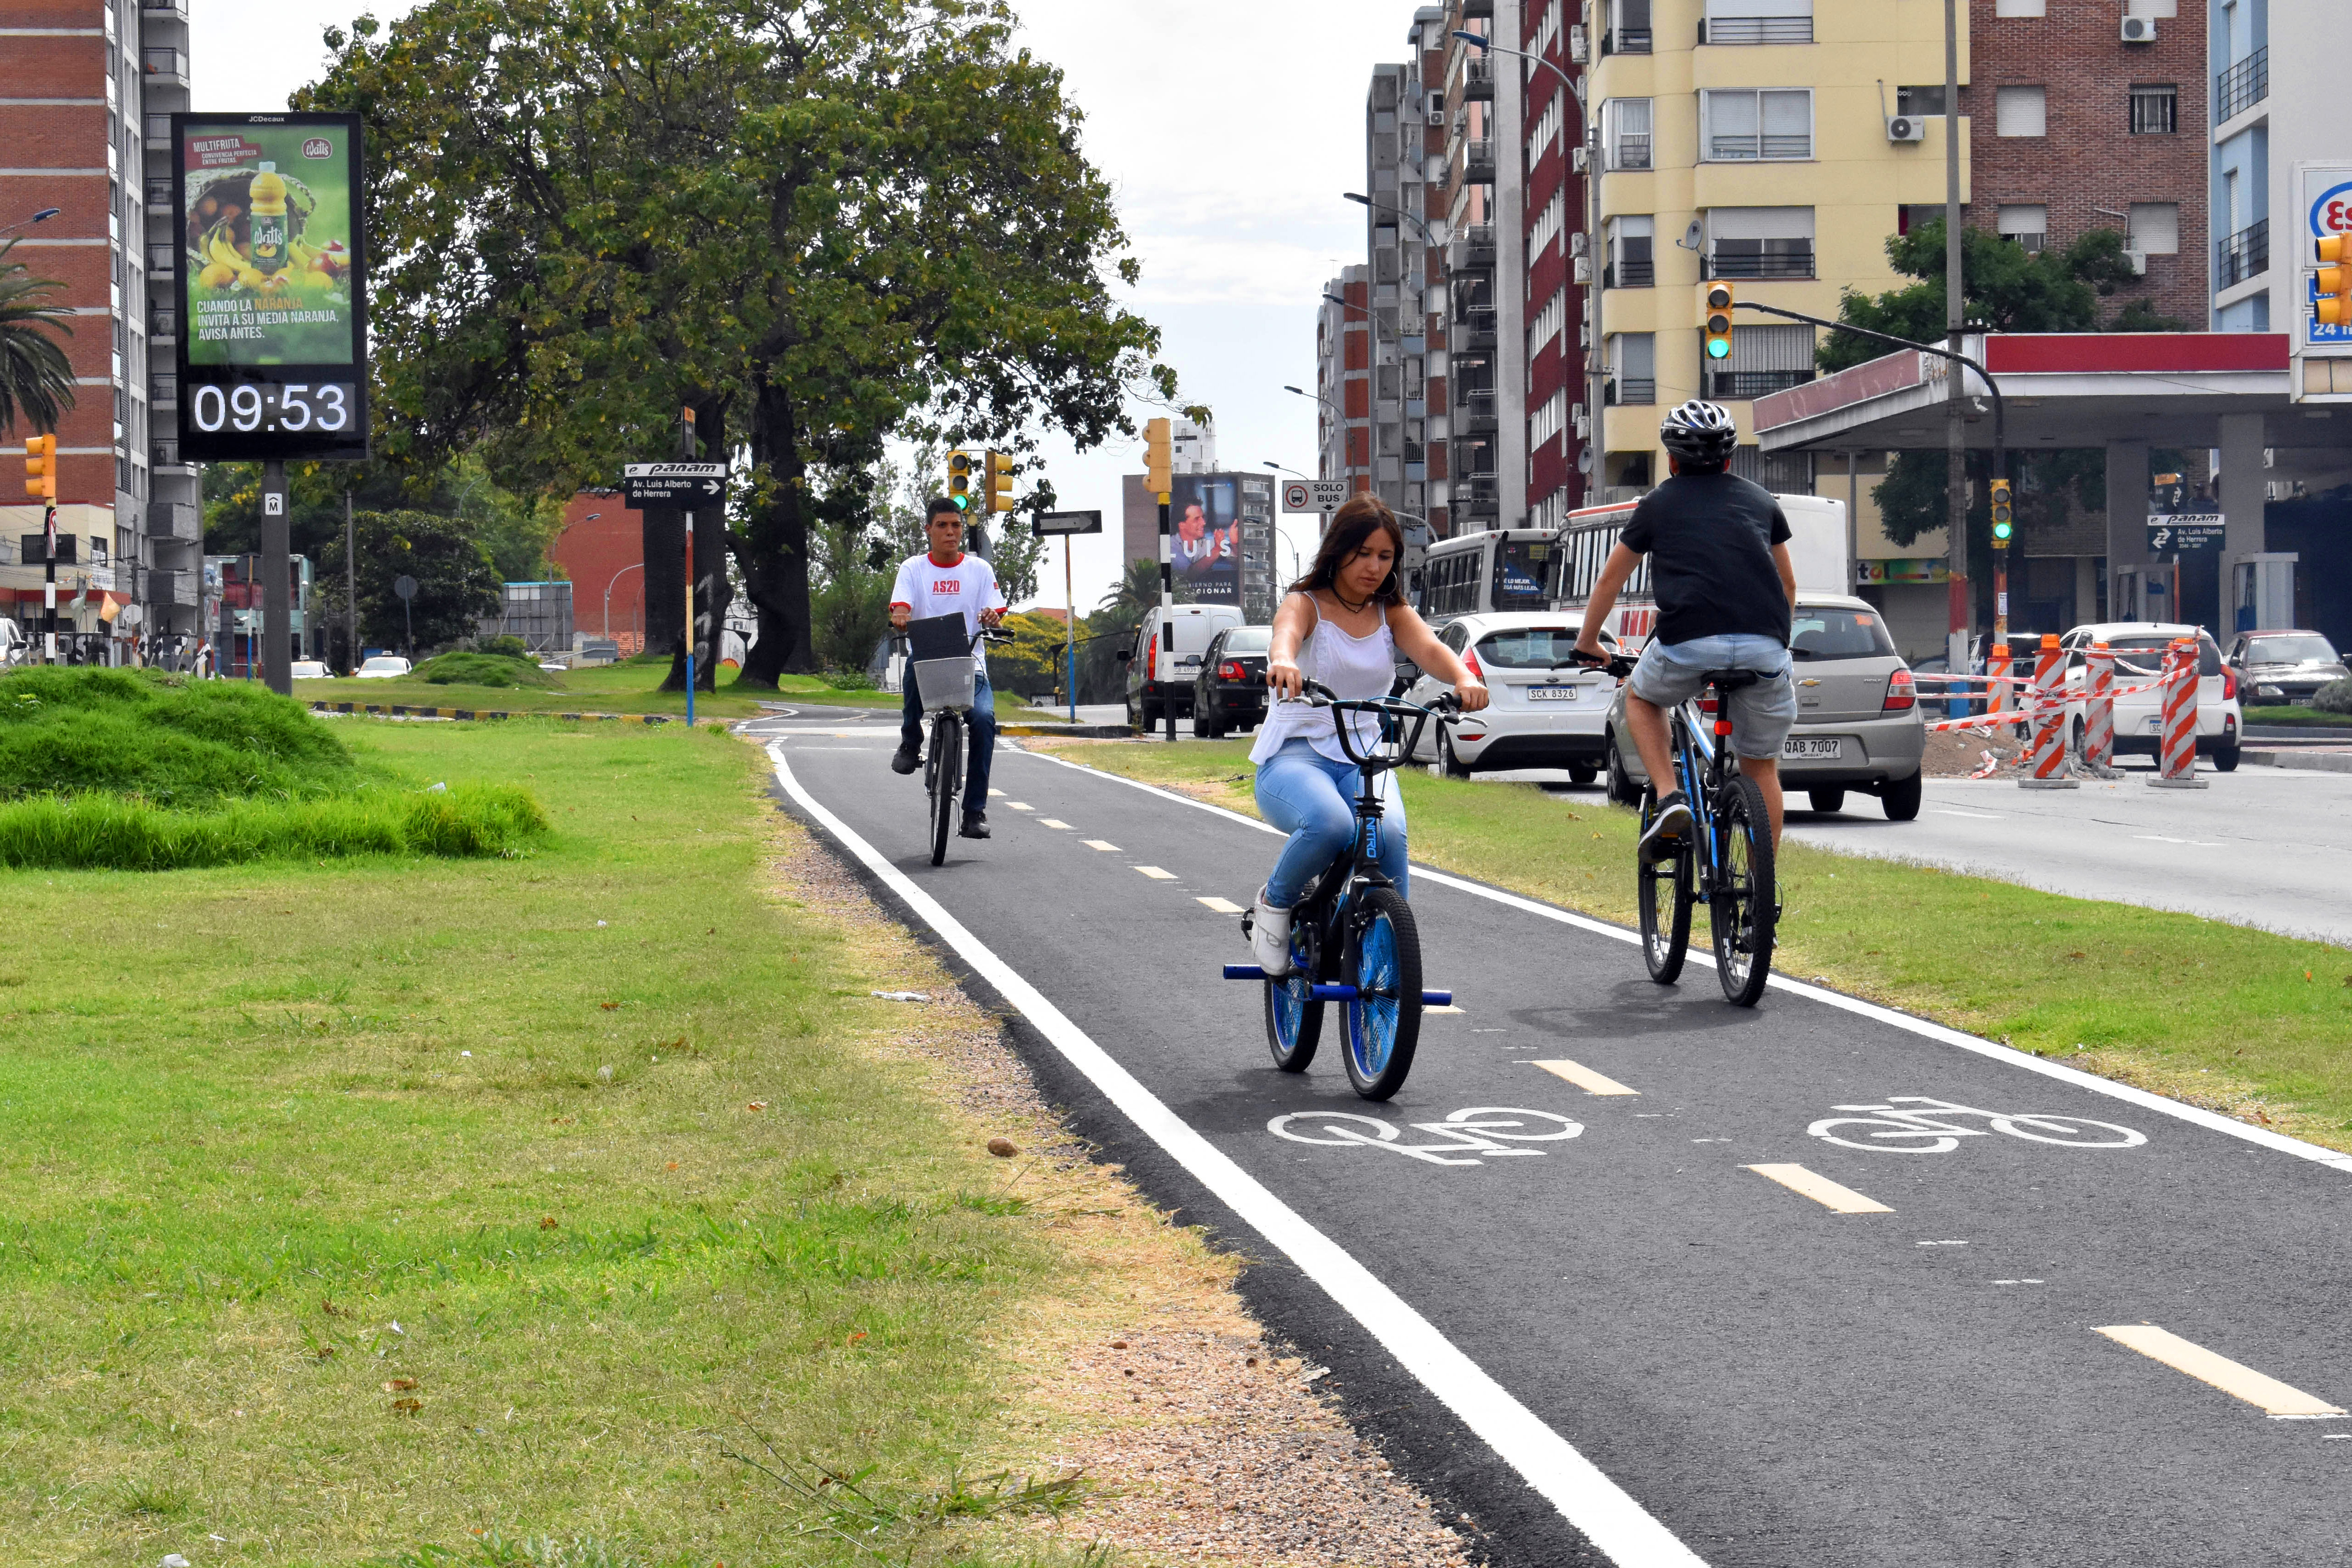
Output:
x,y
940,652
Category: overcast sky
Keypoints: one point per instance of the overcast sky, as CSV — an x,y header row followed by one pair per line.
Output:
x,y
1228,127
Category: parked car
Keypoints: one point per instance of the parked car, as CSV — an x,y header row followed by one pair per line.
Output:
x,y
382,666
1160,668
13,646
1544,710
311,669
2282,668
2139,718
1859,725
1229,693
555,666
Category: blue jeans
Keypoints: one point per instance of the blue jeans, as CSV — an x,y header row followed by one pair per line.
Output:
x,y
980,723
1313,799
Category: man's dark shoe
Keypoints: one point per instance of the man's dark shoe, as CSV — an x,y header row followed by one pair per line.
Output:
x,y
975,825
1669,832
906,760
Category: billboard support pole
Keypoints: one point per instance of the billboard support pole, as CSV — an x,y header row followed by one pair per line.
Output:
x,y
1166,614
351,588
276,591
1069,628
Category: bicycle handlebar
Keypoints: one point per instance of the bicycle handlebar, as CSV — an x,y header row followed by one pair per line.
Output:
x,y
1617,664
1447,710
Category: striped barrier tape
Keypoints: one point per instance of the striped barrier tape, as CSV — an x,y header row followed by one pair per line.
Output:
x,y
2026,710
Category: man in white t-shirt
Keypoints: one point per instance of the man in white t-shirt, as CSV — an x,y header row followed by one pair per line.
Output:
x,y
945,581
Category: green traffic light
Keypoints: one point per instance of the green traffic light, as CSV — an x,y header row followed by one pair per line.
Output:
x,y
962,503
1718,348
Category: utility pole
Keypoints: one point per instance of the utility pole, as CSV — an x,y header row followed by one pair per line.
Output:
x,y
351,588
1069,628
277,590
686,451
49,583
1159,468
1961,615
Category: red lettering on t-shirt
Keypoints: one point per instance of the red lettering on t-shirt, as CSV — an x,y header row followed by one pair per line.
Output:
x,y
946,585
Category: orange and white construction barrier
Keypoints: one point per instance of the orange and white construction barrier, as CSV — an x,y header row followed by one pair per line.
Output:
x,y
2048,770
2099,712
2177,752
1998,678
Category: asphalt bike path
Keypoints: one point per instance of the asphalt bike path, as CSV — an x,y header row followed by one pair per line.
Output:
x,y
1616,1272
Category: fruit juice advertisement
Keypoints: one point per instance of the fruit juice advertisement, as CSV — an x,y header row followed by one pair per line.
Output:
x,y
266,219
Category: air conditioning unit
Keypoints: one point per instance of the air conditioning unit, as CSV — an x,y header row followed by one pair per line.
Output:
x,y
1583,265
2139,30
2138,259
1905,128
1576,50
1578,243
1576,158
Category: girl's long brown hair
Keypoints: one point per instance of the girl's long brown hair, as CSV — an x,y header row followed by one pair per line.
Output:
x,y
1351,525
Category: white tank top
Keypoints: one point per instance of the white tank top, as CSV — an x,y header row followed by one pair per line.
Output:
x,y
1353,666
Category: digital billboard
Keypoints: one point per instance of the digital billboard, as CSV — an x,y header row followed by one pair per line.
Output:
x,y
271,285
1205,516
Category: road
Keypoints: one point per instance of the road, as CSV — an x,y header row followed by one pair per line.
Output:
x,y
1588,1318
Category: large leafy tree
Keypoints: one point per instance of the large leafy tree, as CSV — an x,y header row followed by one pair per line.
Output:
x,y
817,222
456,584
36,380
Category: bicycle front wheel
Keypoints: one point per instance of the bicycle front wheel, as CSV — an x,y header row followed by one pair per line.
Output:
x,y
1294,1019
947,771
1385,1018
1740,907
1665,894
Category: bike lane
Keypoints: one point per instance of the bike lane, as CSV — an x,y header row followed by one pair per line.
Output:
x,y
1771,1380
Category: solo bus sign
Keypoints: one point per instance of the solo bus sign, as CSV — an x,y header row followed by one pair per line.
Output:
x,y
271,283
2326,205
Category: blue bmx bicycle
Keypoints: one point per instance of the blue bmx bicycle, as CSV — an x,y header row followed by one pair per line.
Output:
x,y
1726,864
1352,938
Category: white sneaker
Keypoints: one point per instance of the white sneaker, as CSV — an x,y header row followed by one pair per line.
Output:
x,y
1270,936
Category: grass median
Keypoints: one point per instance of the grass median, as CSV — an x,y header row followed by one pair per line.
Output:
x,y
357,1211
630,687
2240,1020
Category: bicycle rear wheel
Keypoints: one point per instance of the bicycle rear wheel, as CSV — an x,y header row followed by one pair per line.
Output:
x,y
1294,1019
1666,895
1384,1021
1741,907
947,773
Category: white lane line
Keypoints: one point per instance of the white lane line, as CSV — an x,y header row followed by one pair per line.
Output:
x,y
1978,815
1583,1076
1588,1499
1050,822
1017,805
1221,905
1428,1012
1156,874
2191,842
2212,1121
2267,1395
1100,844
996,794
1820,1189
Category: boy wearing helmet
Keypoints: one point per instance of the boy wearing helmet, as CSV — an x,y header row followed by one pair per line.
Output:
x,y
1718,549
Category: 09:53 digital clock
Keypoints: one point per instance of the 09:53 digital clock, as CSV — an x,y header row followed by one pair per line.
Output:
x,y
261,405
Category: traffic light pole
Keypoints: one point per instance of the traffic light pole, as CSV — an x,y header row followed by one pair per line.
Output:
x,y
1166,616
50,583
1069,629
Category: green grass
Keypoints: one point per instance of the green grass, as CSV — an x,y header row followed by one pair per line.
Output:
x,y
2217,1013
101,832
414,1204
2297,715
172,743
491,669
629,686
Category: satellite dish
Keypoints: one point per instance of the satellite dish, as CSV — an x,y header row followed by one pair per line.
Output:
x,y
1692,236
1584,460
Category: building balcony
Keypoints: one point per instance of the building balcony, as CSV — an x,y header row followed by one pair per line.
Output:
x,y
1633,391
2245,254
1475,8
162,325
1736,385
171,587
1473,332
163,391
1478,84
164,10
1756,30
159,192
1474,412
1632,151
1478,160
165,65
159,131
2243,85
1473,250
174,520
1767,265
1630,275
1625,41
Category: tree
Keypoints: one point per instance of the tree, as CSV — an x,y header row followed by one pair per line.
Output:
x,y
816,222
458,586
1101,678
36,380
2006,289
516,529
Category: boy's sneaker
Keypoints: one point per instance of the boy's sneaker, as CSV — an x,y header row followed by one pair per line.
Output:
x,y
1669,833
1270,936
975,825
906,760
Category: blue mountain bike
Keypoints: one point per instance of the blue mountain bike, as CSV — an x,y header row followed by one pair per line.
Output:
x,y
1352,938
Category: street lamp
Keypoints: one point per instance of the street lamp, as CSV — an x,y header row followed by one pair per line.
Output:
x,y
615,577
1279,469
44,216
1597,374
1365,201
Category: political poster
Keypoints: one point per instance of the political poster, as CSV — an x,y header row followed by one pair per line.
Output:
x,y
1205,516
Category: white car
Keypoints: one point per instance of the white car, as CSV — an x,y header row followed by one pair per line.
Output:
x,y
382,666
1544,710
2139,718
311,669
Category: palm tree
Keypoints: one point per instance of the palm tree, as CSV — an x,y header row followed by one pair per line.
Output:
x,y
36,382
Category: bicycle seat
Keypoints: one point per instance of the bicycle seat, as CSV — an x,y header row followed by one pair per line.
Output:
x,y
1733,680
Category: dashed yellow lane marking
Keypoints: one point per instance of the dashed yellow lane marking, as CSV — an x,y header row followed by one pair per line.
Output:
x,y
1156,874
1050,822
1584,1077
1020,805
1425,1012
996,794
1221,905
1102,844
2267,1395
1820,1189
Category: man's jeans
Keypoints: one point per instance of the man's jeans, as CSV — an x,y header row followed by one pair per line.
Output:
x,y
981,724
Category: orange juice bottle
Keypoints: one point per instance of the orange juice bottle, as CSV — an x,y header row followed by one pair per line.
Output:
x,y
270,233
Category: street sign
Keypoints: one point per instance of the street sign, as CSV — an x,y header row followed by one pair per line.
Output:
x,y
674,486
1068,522
405,586
2184,532
1314,495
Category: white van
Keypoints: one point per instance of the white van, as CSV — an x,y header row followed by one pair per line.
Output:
x,y
1160,667
1817,548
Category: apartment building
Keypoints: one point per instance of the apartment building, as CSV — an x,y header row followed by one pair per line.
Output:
x,y
1754,141
1557,268
1343,371
1397,234
85,116
1484,199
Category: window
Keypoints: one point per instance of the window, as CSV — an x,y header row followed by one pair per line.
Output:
x,y
1633,360
1745,124
2022,112
2027,223
2154,109
1627,123
1548,421
1630,263
1549,322
1546,131
2021,7
1764,360
2156,227
1759,22
1760,242
1918,102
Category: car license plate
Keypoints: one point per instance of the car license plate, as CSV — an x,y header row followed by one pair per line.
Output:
x,y
1551,693
2155,723
1811,748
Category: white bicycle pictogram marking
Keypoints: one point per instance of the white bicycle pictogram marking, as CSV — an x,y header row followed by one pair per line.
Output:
x,y
1915,1124
1485,1131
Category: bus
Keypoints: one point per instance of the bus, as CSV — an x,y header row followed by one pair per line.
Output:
x,y
1480,573
1817,548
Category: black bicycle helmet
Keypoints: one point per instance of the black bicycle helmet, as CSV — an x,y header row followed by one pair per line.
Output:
x,y
1699,432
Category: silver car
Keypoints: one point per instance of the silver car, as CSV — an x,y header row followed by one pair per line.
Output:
x,y
1859,724
2282,668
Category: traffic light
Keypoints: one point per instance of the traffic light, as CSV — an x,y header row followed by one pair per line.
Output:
x,y
2004,515
1718,320
41,467
1159,457
999,481
961,488
2333,305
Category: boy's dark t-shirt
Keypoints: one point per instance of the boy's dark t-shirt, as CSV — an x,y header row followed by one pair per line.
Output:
x,y
1710,539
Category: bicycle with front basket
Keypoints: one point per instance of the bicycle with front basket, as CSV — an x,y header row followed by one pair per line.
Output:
x,y
948,687
1726,862
1352,938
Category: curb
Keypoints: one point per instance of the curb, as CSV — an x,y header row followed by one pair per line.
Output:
x,y
1071,732
2318,762
401,710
